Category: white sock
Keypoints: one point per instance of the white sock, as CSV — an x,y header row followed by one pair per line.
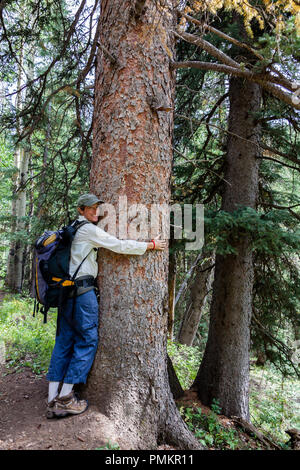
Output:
x,y
66,389
53,390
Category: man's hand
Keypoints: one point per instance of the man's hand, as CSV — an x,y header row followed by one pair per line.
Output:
x,y
157,245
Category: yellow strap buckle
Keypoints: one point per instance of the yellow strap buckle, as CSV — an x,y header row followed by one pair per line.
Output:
x,y
66,283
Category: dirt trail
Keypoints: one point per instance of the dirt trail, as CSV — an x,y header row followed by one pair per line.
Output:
x,y
23,424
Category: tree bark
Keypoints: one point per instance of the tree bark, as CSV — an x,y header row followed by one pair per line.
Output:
x,y
14,273
224,371
132,155
171,291
198,292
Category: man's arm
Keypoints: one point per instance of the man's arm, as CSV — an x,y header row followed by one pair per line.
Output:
x,y
101,239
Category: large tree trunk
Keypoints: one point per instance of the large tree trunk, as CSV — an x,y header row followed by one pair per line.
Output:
x,y
132,157
224,371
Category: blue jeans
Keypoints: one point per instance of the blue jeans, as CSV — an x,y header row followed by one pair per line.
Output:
x,y
75,347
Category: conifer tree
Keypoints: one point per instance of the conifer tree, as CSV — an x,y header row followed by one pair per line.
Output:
x,y
218,377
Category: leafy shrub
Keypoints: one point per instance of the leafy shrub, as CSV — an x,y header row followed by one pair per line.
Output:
x,y
208,429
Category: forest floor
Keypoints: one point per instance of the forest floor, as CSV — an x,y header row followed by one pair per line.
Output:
x,y
24,425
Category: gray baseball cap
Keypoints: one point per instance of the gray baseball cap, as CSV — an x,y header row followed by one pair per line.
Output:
x,y
88,200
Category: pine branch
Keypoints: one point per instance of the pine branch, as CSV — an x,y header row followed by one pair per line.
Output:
x,y
273,89
263,157
277,342
259,146
204,26
280,79
208,47
289,208
219,128
288,156
231,67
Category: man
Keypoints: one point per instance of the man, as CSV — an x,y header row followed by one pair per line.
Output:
x,y
76,343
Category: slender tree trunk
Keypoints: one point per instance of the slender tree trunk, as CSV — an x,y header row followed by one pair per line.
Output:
x,y
14,274
17,252
132,157
40,208
171,291
198,292
42,186
224,371
22,165
14,261
184,285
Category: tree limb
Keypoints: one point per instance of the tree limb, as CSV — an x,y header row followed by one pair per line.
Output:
x,y
208,47
222,35
280,78
277,342
278,161
281,154
273,89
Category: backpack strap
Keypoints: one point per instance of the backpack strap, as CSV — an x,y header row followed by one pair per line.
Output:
x,y
77,224
73,279
77,269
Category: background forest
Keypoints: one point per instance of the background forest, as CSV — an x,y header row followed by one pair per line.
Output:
x,y
244,171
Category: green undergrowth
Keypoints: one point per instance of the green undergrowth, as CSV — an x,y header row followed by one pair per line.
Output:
x,y
26,341
186,360
208,429
273,402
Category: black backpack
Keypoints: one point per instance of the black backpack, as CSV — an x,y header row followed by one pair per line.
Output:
x,y
53,283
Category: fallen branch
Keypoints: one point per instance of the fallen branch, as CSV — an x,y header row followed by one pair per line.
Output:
x,y
251,430
295,438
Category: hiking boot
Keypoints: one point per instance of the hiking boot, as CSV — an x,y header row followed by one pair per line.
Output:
x,y
68,404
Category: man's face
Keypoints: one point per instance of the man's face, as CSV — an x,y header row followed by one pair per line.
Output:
x,y
91,213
